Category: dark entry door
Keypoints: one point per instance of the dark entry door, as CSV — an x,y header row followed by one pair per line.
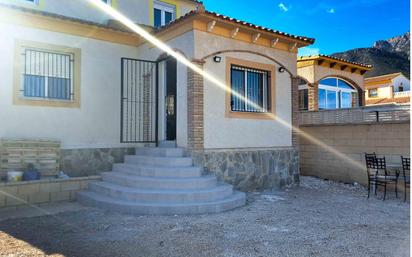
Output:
x,y
171,99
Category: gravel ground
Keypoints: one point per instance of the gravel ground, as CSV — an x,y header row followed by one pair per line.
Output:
x,y
319,218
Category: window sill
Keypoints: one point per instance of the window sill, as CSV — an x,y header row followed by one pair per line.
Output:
x,y
46,102
251,115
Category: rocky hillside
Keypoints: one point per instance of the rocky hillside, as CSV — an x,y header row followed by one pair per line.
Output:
x,y
386,56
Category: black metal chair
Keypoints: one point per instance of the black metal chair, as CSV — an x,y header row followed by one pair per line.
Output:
x,y
406,162
383,176
371,170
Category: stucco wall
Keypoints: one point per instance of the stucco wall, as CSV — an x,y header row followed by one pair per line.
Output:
x,y
322,72
389,139
401,80
384,91
96,124
139,11
222,132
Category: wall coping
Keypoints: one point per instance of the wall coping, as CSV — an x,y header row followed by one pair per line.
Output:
x,y
50,180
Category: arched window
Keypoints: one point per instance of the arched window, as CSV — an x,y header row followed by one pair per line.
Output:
x,y
335,93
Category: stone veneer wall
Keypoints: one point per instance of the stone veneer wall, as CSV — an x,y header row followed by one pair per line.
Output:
x,y
250,170
20,194
86,162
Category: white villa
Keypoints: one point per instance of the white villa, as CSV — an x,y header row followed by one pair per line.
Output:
x,y
72,74
388,88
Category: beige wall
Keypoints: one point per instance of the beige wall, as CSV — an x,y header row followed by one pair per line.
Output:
x,y
223,132
314,73
139,11
352,141
384,91
96,123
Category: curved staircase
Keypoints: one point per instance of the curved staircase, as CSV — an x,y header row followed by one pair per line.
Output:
x,y
160,181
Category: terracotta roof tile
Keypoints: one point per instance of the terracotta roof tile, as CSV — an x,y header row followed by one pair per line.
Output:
x,y
399,100
304,39
324,56
382,77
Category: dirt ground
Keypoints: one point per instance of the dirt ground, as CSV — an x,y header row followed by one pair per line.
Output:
x,y
319,218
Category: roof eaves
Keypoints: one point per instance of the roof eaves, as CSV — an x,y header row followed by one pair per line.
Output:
x,y
324,56
303,39
385,76
62,17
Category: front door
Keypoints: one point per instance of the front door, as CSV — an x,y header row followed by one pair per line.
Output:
x,y
171,99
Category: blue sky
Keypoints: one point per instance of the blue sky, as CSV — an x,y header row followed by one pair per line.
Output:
x,y
337,25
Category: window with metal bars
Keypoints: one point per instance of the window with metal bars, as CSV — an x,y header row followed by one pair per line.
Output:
x,y
250,90
47,74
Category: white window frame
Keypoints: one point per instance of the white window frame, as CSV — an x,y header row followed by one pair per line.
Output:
x,y
337,90
164,7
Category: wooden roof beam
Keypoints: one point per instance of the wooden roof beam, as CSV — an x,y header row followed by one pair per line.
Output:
x,y
211,25
332,64
255,37
353,70
362,72
293,46
343,67
320,62
274,42
234,32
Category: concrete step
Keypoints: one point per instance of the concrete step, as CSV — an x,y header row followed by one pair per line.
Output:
x,y
236,199
159,161
154,171
159,182
172,196
167,144
161,152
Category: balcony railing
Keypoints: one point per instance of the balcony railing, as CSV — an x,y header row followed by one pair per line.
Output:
x,y
402,94
389,113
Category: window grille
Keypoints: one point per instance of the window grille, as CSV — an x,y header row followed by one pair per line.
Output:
x,y
48,75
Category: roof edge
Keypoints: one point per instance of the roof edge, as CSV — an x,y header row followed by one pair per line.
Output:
x,y
323,56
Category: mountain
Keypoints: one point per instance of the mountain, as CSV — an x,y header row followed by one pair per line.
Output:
x,y
386,56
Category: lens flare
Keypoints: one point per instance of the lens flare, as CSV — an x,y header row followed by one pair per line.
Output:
x,y
180,58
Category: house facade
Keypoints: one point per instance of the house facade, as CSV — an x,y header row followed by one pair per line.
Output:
x,y
74,75
387,89
329,83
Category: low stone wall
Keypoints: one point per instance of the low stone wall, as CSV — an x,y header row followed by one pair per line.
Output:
x,y
86,162
18,194
343,158
250,170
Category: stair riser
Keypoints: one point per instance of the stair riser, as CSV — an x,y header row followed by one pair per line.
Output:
x,y
162,210
158,197
166,162
161,152
158,172
153,184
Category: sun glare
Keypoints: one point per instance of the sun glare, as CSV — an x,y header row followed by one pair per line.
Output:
x,y
180,58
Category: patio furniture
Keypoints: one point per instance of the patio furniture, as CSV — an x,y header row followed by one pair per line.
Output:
x,y
384,177
371,169
406,161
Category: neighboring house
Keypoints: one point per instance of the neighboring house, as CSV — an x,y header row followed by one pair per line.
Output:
x,y
330,83
386,89
69,73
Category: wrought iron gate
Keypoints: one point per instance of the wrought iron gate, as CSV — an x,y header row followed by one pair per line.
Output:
x,y
139,103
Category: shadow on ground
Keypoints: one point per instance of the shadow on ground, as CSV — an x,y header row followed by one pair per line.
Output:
x,y
320,218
